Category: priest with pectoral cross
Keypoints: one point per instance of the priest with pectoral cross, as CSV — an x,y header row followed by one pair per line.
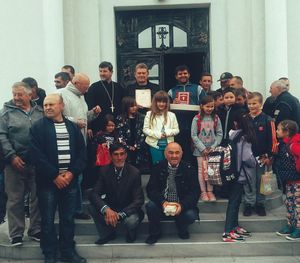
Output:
x,y
106,93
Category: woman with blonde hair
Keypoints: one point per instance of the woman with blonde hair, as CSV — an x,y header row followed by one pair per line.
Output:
x,y
160,126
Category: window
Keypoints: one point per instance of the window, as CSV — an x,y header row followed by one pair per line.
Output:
x,y
145,38
162,34
180,37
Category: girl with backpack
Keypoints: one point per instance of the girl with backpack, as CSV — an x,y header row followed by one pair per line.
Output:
x,y
160,126
206,133
244,137
287,168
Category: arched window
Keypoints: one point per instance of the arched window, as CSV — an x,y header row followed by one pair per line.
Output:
x,y
145,38
154,74
180,37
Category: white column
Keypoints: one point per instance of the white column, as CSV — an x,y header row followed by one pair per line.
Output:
x,y
108,33
257,76
293,7
276,64
53,41
218,40
82,36
239,39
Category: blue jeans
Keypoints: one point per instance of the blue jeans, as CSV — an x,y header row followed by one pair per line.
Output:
x,y
155,215
3,197
65,199
235,191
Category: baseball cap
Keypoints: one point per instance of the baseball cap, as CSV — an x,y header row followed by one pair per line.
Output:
x,y
225,76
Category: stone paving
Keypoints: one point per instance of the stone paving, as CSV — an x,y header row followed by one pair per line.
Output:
x,y
183,260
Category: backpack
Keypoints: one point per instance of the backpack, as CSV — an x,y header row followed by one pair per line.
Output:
x,y
216,118
221,163
285,164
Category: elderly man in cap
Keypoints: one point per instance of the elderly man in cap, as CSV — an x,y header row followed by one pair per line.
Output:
x,y
224,81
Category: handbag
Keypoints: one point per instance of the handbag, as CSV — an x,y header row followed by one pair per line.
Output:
x,y
102,156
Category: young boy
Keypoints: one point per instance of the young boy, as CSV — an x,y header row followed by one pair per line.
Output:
x,y
262,150
218,98
241,98
228,112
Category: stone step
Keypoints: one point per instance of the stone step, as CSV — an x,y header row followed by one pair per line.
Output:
x,y
273,201
199,245
209,223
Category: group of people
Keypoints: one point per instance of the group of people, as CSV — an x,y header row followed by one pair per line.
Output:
x,y
101,132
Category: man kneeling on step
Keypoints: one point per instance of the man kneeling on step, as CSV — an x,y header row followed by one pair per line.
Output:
x,y
117,197
173,190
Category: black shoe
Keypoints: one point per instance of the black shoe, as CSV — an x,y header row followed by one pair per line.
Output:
x,y
131,236
102,241
184,234
2,221
35,237
82,216
248,210
260,210
16,241
152,239
74,258
50,260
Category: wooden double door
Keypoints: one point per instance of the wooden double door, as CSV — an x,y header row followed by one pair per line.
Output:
x,y
162,39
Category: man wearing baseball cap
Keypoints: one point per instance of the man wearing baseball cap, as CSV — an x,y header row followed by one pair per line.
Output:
x,y
224,81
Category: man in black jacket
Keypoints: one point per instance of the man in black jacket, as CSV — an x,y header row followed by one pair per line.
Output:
x,y
173,190
59,155
287,106
117,197
142,82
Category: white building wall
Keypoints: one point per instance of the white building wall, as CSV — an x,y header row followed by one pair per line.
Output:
x,y
31,43
236,35
276,48
42,35
293,49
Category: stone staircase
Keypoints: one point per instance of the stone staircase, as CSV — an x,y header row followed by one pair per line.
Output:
x,y
205,238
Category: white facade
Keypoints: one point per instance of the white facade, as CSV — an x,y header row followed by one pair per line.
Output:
x,y
256,39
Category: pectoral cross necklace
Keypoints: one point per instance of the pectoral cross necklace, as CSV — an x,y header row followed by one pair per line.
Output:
x,y
111,98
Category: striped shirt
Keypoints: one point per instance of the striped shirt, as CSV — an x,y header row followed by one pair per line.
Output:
x,y
63,146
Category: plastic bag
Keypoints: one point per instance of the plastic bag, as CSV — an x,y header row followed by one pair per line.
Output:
x,y
268,183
